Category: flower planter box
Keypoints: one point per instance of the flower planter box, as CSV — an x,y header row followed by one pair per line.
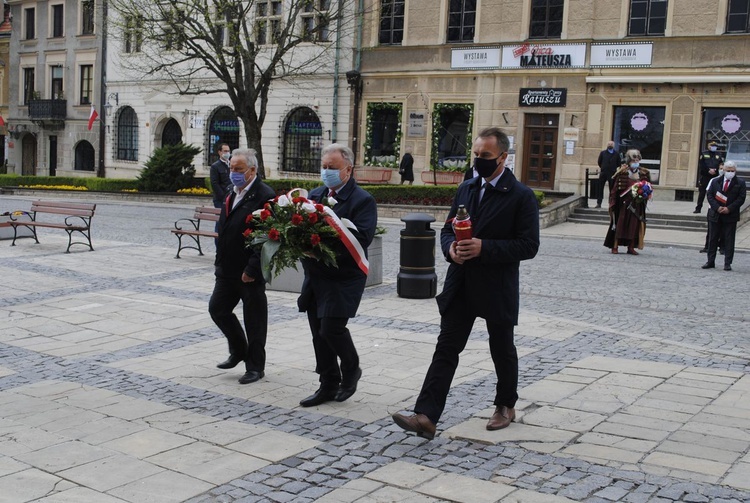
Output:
x,y
290,280
442,177
372,176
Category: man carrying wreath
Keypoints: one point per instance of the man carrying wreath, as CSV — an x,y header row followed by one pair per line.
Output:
x,y
238,273
331,295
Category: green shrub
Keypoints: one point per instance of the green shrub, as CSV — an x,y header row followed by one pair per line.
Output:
x,y
169,169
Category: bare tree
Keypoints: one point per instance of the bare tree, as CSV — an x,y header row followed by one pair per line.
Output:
x,y
233,47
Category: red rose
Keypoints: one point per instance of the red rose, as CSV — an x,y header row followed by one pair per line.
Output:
x,y
249,219
267,206
298,199
319,208
273,235
312,217
247,232
264,214
296,219
315,240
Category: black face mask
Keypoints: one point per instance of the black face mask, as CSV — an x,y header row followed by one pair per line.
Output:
x,y
485,167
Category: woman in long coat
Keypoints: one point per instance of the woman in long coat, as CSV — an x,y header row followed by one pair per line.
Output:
x,y
627,217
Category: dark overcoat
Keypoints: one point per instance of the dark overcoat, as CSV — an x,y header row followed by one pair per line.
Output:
x,y
221,186
508,225
232,256
338,290
736,194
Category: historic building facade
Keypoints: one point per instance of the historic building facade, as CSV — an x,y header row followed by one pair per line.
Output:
x,y
561,77
309,109
55,57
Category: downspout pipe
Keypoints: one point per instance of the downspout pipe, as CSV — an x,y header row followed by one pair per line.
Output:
x,y
356,82
103,92
335,115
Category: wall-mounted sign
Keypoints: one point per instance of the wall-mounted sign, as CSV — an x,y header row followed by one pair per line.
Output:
x,y
621,54
529,55
570,134
475,58
542,97
416,124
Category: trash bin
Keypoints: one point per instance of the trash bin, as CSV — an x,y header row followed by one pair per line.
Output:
x,y
416,277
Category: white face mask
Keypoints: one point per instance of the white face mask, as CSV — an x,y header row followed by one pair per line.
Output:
x,y
729,175
712,149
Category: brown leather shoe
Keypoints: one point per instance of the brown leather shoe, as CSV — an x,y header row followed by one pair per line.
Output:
x,y
502,417
418,423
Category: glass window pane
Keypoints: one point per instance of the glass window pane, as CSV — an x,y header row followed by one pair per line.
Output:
x,y
637,27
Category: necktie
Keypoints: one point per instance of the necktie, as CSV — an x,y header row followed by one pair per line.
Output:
x,y
726,185
332,193
483,193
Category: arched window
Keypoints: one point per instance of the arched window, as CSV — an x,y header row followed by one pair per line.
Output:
x,y
223,127
127,135
303,141
84,156
172,134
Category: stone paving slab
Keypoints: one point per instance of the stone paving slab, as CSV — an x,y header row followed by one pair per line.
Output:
x,y
109,391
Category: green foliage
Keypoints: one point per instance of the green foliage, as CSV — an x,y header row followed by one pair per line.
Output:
x,y
169,169
96,184
539,197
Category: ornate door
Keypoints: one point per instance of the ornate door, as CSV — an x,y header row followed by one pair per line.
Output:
x,y
28,155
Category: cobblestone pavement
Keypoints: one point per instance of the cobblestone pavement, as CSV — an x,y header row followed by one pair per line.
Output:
x,y
633,381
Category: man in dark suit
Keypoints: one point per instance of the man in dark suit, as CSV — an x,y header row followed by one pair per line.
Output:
x,y
238,273
331,295
608,162
708,167
725,196
219,173
482,281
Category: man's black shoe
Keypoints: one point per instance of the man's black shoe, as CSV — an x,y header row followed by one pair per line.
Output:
x,y
323,395
230,363
727,267
703,250
251,376
697,211
708,265
348,386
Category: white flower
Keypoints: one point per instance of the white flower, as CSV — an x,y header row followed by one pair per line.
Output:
x,y
256,213
332,202
283,201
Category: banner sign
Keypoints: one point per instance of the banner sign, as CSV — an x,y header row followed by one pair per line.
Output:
x,y
621,54
528,55
542,97
476,58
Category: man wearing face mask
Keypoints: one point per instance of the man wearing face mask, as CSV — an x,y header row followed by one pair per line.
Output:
x,y
608,162
708,167
219,173
482,281
627,224
238,273
331,295
725,196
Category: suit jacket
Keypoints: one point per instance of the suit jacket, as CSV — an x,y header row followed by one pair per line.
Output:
x,y
736,193
338,291
221,186
232,256
608,163
508,225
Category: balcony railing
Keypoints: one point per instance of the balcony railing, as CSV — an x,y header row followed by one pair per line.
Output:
x,y
54,110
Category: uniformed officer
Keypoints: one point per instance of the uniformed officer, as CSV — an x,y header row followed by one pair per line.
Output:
x,y
708,168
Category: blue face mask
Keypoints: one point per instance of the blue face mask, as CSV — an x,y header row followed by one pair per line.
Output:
x,y
712,148
331,177
611,150
634,166
237,179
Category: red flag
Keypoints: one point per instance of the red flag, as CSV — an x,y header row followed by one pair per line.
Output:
x,y
2,121
92,117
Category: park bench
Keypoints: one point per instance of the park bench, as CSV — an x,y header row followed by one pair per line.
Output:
x,y
191,227
373,176
77,220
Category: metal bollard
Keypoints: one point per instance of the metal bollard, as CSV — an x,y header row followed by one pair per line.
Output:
x,y
416,278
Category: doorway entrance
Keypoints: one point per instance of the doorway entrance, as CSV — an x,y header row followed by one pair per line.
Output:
x,y
539,150
28,154
52,155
